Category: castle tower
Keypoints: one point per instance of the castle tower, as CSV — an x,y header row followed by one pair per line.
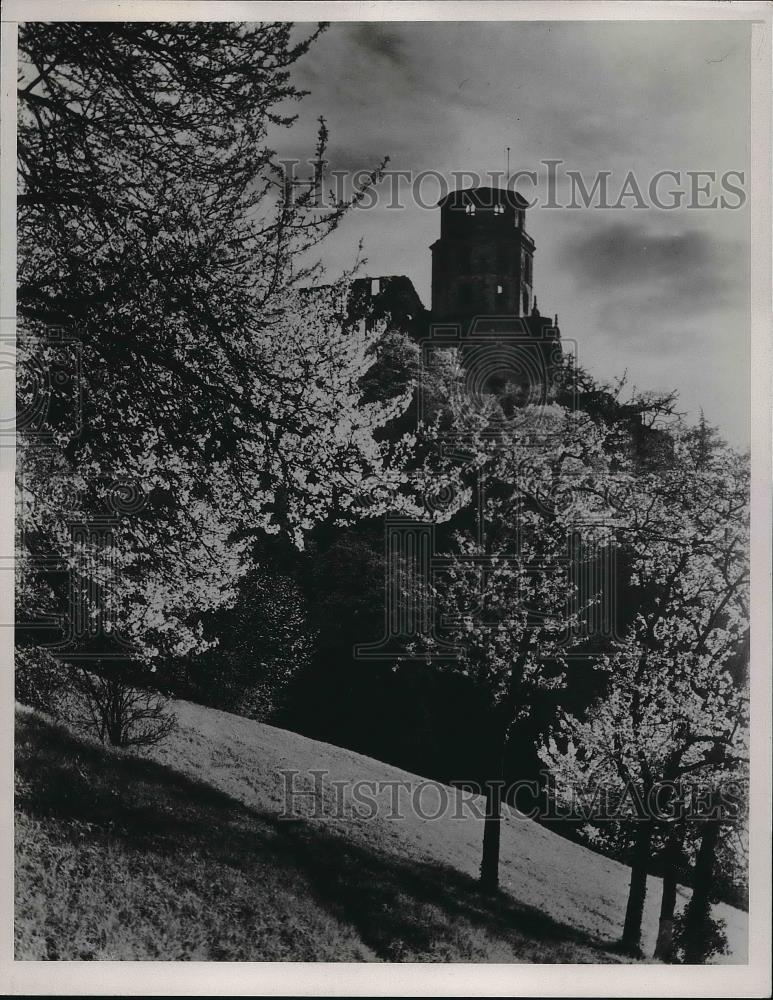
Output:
x,y
482,263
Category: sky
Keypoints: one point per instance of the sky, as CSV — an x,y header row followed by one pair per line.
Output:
x,y
660,294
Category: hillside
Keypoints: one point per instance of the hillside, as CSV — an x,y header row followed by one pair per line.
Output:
x,y
181,854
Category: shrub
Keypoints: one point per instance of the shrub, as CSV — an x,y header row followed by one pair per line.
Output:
x,y
712,939
40,680
107,701
263,642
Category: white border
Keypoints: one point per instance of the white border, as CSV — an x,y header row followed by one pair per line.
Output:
x,y
385,10
287,979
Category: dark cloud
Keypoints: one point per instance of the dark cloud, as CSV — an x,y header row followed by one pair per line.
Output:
x,y
692,268
382,41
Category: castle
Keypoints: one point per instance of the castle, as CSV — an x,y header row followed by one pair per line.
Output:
x,y
482,287
482,274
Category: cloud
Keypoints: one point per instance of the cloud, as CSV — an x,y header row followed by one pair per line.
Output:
x,y
690,270
381,41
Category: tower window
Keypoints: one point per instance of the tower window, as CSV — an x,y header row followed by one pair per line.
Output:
x,y
375,286
525,302
519,219
527,268
499,209
469,209
499,289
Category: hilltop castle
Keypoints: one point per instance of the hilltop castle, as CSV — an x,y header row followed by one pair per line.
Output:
x,y
482,273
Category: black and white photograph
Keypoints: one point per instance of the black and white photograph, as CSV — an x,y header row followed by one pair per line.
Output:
x,y
389,576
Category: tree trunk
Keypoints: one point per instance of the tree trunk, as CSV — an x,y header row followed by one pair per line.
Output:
x,y
492,825
699,908
664,948
631,940
492,831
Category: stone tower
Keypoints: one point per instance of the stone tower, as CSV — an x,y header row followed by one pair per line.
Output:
x,y
482,263
483,301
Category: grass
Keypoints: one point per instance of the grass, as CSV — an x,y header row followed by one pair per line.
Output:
x,y
183,857
122,858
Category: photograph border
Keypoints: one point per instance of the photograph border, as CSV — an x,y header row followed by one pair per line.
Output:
x,y
349,979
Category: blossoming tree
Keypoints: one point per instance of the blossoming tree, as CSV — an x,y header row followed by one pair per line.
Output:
x,y
508,597
674,718
169,355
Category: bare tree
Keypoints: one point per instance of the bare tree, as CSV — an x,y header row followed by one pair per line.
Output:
x,y
118,712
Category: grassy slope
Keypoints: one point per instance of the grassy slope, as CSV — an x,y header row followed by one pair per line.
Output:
x,y
183,857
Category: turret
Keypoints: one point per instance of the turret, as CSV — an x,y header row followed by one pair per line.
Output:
x,y
482,264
